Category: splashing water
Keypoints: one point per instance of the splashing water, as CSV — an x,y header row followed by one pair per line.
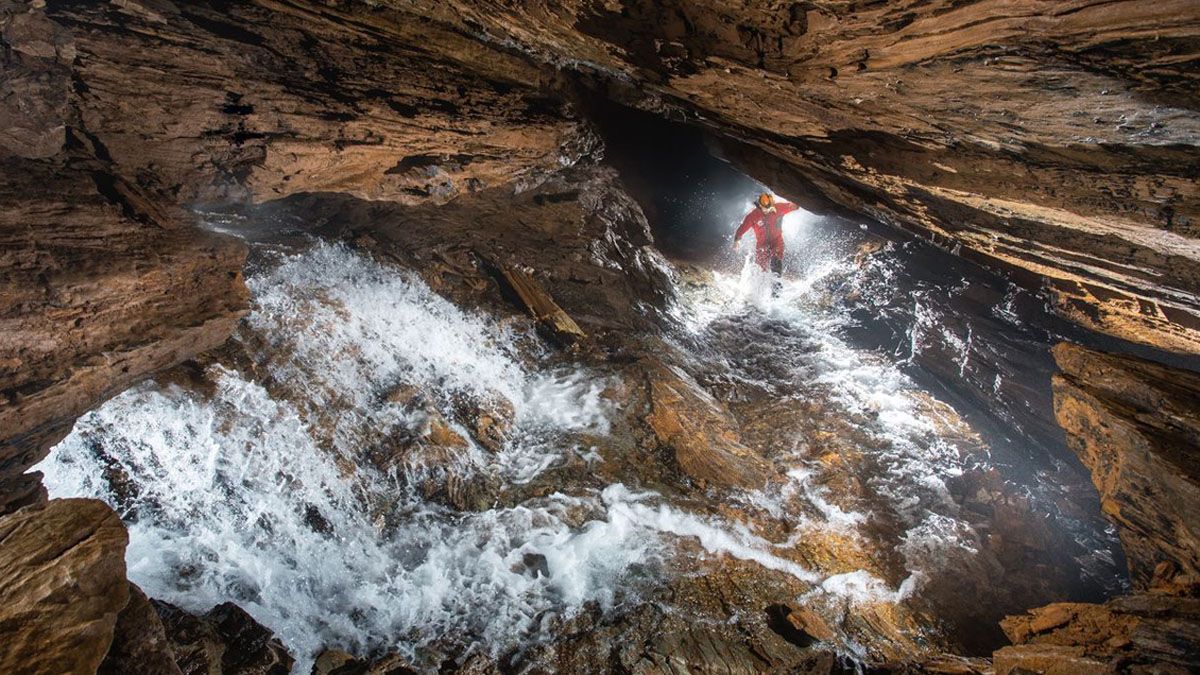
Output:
x,y
908,425
920,461
245,493
262,486
256,492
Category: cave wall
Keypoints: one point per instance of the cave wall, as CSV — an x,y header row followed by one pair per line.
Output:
x,y
1054,141
218,101
120,121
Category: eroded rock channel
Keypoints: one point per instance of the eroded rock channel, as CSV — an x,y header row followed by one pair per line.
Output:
x,y
406,337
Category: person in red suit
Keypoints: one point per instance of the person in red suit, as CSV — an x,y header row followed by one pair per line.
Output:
x,y
766,220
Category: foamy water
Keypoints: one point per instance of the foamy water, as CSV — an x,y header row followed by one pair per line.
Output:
x,y
257,492
258,489
245,494
908,427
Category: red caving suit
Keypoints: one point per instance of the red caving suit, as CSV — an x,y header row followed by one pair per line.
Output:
x,y
768,232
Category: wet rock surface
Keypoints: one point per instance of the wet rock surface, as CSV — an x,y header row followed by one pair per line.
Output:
x,y
224,640
1157,633
1055,143
699,434
434,142
62,577
140,643
102,289
1133,424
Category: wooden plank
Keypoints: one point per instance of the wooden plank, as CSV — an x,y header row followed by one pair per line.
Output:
x,y
542,306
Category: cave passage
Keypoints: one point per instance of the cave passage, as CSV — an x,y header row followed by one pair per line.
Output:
x,y
970,338
901,394
410,337
692,199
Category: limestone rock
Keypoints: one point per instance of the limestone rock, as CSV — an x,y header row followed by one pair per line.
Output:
x,y
335,662
1055,141
441,435
489,418
588,239
197,647
62,585
1136,425
331,660
34,82
140,643
1158,632
103,287
225,640
699,433
266,99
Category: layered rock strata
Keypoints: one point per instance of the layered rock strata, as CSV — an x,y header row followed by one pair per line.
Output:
x,y
119,119
1053,141
1134,424
212,101
102,287
62,578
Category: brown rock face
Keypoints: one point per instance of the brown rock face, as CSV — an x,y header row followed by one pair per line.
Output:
x,y
334,662
139,644
104,282
102,288
1055,140
1136,425
1153,632
226,640
699,433
62,578
268,99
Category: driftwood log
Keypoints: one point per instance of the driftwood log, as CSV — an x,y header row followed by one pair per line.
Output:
x,y
543,308
541,305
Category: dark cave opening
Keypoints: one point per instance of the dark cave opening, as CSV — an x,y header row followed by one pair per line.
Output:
x,y
692,199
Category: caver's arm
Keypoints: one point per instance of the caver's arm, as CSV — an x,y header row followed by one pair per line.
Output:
x,y
748,222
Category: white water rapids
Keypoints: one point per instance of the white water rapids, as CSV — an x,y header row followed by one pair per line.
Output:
x,y
251,488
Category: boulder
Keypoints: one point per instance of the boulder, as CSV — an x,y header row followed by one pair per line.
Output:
x,y
489,418
224,641
337,662
1158,632
140,643
62,586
